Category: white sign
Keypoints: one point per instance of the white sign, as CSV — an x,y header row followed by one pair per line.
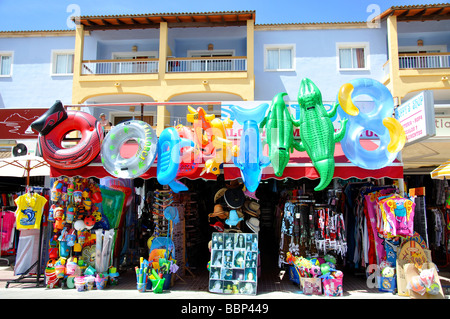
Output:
x,y
442,126
417,117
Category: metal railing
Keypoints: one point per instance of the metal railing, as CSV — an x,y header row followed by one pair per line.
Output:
x,y
95,67
178,65
424,61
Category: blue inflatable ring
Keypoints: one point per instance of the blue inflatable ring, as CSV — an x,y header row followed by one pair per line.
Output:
x,y
136,165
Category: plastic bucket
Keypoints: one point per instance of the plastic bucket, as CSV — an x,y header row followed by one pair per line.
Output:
x,y
80,283
70,282
114,278
90,282
141,286
167,281
157,285
100,283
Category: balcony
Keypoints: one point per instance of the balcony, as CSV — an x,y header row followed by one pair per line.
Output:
x,y
173,65
424,61
216,64
122,66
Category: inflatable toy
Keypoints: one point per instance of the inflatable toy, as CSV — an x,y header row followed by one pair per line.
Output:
x,y
138,164
50,143
317,132
279,134
379,120
169,148
54,115
250,159
190,157
210,140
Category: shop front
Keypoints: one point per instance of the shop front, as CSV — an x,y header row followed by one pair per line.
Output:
x,y
193,201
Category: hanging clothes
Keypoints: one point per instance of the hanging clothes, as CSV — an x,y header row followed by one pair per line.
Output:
x,y
30,207
8,221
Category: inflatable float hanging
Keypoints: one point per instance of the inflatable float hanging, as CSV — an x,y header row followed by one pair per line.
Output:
x,y
55,124
250,159
378,119
317,132
209,136
169,149
279,133
118,166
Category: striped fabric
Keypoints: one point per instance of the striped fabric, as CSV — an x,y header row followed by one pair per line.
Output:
x,y
443,171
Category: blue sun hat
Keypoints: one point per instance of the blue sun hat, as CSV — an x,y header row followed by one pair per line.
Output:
x,y
233,218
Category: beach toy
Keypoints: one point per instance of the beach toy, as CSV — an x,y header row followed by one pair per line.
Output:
x,y
90,280
113,276
70,282
377,119
169,148
318,137
157,285
80,283
250,159
279,133
136,165
100,281
50,144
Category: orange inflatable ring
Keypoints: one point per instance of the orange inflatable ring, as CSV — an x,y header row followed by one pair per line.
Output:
x,y
79,155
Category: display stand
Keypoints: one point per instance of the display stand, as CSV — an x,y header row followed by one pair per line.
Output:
x,y
40,280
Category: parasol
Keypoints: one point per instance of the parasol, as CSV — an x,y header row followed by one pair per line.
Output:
x,y
443,171
24,166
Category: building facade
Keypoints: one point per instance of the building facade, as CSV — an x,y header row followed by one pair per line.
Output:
x,y
151,66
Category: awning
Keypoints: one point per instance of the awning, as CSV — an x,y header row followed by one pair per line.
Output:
x,y
299,166
442,171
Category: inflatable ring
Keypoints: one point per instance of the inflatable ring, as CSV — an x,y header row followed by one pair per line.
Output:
x,y
377,119
79,155
136,165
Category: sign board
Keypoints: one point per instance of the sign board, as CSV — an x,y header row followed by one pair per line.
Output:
x,y
293,107
442,126
417,117
234,263
15,123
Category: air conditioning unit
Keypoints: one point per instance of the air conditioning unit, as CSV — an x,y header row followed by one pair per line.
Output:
x,y
19,150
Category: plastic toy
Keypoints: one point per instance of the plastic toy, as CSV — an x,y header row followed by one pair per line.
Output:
x,y
169,147
279,134
136,165
379,120
53,130
250,159
317,132
58,214
190,157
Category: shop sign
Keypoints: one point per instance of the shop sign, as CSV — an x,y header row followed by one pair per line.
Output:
x,y
442,126
237,130
417,117
15,123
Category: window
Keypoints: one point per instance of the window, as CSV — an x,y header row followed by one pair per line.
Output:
x,y
5,64
279,58
352,57
62,63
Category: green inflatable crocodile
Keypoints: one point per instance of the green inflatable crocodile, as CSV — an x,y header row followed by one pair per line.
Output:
x,y
279,133
317,132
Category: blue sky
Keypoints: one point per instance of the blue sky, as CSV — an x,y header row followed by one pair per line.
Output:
x,y
19,15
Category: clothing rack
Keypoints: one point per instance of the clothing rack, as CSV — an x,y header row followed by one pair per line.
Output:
x,y
37,278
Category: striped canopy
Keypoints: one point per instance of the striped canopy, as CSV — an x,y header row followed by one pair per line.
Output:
x,y
443,171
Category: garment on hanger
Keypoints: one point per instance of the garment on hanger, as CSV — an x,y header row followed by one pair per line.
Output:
x,y
30,207
7,230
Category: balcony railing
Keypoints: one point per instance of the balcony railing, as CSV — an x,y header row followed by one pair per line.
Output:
x,y
95,67
424,61
178,65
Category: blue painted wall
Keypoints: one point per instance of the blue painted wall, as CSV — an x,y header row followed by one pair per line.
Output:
x,y
316,59
31,84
